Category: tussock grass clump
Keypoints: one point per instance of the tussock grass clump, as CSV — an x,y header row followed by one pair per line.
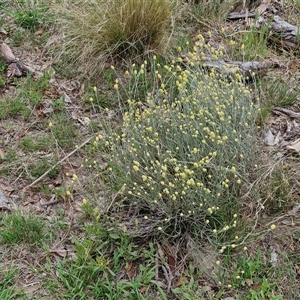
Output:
x,y
183,153
96,30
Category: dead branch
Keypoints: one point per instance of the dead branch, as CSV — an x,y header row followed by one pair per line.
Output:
x,y
280,31
241,15
7,53
15,67
246,69
287,112
287,34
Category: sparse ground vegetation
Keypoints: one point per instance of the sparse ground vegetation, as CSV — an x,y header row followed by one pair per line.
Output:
x,y
132,169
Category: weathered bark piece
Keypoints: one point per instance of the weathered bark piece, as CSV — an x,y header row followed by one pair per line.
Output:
x,y
285,33
246,69
7,54
287,112
294,146
15,68
241,15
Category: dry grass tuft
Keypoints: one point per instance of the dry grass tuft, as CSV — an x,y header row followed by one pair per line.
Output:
x,y
97,30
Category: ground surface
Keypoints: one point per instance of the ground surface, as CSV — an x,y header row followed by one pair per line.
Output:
x,y
47,122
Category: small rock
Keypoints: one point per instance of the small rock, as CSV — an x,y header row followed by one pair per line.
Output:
x,y
4,203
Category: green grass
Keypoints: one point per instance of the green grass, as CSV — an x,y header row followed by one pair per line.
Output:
x,y
29,14
278,192
21,228
33,89
59,105
40,166
2,68
276,92
101,257
63,130
252,275
8,290
13,108
29,94
9,155
8,161
30,143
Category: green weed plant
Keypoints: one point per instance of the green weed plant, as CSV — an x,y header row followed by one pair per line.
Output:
x,y
253,278
100,258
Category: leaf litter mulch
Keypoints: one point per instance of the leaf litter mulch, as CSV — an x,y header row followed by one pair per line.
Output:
x,y
20,189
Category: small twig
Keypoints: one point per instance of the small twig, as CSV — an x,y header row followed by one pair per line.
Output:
x,y
57,164
201,22
168,276
50,203
113,200
32,283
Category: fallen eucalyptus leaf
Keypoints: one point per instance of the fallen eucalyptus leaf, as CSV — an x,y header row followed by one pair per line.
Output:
x,y
294,146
